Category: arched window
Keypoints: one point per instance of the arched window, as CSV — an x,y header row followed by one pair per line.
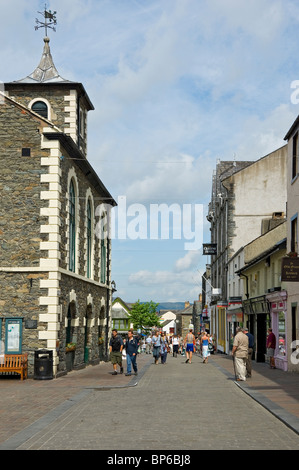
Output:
x,y
89,238
103,262
40,108
72,227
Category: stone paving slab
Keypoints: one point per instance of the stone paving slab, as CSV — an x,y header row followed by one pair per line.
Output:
x,y
276,390
23,403
176,406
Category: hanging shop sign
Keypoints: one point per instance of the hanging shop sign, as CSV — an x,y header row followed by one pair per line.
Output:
x,y
209,249
290,269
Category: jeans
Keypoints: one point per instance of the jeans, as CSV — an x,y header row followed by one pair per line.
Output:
x,y
131,361
163,357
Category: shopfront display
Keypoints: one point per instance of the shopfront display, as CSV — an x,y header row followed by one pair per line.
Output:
x,y
278,312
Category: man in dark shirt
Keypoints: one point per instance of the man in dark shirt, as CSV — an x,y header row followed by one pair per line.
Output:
x,y
131,350
250,351
115,348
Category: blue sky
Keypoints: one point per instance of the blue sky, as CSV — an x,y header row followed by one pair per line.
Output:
x,y
176,85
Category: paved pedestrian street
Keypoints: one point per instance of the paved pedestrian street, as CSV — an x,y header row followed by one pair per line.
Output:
x,y
171,407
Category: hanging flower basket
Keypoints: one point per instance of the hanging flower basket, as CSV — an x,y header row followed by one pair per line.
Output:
x,y
292,254
101,340
70,347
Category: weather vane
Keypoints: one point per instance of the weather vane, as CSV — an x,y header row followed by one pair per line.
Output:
x,y
49,20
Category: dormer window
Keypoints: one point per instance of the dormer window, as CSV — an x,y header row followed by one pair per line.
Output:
x,y
40,108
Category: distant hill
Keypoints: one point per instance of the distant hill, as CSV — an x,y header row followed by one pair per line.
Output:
x,y
171,306
163,305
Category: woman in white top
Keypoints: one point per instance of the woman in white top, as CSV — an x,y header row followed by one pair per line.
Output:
x,y
175,346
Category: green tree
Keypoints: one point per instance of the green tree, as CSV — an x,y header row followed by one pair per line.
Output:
x,y
143,315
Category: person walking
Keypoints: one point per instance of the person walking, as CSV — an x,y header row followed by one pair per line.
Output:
x,y
240,353
271,345
148,345
189,345
115,348
205,340
175,346
131,350
163,348
156,343
250,352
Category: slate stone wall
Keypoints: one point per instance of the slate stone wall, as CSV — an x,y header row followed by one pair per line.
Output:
x,y
54,95
20,188
88,312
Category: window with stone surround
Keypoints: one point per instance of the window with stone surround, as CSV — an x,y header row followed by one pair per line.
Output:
x,y
89,239
41,108
103,262
72,227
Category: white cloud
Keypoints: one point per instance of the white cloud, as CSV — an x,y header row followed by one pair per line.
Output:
x,y
166,285
190,260
176,85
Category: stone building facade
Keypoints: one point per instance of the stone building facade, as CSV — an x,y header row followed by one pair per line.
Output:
x,y
292,317
246,197
55,263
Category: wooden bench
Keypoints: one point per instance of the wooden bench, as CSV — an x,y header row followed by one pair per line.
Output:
x,y
17,363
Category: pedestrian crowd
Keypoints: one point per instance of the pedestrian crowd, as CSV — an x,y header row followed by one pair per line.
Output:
x,y
159,345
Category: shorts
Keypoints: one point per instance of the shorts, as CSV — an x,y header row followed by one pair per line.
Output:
x,y
190,347
270,352
116,357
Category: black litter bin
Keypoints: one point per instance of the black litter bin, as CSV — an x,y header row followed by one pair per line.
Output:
x,y
43,364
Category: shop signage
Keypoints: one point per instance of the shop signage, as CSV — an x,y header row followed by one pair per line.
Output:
x,y
216,291
290,269
205,312
209,249
234,300
222,304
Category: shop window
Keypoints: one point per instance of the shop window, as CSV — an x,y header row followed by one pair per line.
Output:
x,y
281,334
294,324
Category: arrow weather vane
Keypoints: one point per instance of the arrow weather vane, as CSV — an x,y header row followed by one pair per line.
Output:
x,y
49,20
